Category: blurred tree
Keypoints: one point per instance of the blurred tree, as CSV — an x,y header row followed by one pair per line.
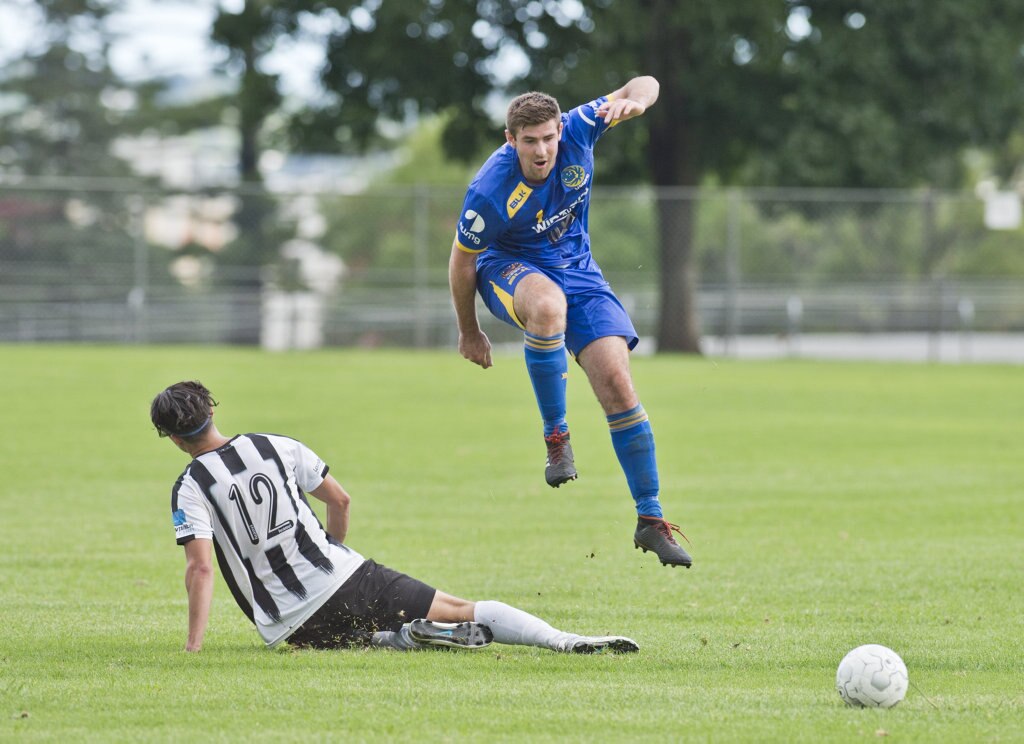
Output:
x,y
248,35
62,102
890,94
61,108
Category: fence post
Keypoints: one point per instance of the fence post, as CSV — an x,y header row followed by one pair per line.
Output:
x,y
936,283
794,319
136,299
732,270
421,238
965,312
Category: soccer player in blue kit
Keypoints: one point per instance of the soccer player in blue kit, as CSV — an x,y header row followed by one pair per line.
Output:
x,y
522,243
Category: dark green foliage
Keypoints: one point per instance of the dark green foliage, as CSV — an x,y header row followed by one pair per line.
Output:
x,y
889,93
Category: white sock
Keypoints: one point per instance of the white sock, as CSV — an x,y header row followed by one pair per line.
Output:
x,y
516,627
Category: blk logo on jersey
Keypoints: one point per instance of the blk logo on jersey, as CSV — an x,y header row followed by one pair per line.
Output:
x,y
574,176
471,224
517,199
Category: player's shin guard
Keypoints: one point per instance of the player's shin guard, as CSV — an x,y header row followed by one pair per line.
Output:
x,y
633,441
548,367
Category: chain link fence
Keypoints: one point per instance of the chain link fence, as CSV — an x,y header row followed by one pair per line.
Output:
x,y
125,262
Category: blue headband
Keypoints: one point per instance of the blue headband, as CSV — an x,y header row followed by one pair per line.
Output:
x,y
196,431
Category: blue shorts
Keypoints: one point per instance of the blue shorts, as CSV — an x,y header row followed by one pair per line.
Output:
x,y
593,310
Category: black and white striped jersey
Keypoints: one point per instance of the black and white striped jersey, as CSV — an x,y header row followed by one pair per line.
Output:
x,y
249,498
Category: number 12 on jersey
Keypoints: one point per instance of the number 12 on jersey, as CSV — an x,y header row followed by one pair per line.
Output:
x,y
259,486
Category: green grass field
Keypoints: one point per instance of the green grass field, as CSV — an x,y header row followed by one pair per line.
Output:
x,y
828,505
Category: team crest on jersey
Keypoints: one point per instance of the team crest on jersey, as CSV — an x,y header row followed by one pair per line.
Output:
x,y
574,176
517,199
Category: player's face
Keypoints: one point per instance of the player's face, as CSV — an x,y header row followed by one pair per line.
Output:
x,y
536,146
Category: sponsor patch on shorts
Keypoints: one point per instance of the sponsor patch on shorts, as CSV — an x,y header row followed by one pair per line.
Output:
x,y
513,271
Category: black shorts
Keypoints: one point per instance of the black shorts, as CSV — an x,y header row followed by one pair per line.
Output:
x,y
373,598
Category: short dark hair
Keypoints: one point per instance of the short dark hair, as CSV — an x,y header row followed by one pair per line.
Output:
x,y
183,410
531,109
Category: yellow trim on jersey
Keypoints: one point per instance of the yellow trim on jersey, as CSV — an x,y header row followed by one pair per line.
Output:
x,y
465,249
506,299
517,198
615,123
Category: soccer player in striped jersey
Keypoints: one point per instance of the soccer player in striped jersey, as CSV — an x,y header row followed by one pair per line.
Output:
x,y
244,498
522,242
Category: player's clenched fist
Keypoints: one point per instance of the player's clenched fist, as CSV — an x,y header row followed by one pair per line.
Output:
x,y
476,347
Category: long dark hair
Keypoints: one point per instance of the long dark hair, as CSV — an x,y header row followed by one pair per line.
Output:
x,y
183,410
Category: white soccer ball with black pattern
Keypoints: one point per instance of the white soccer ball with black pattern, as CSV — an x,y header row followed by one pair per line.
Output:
x,y
872,676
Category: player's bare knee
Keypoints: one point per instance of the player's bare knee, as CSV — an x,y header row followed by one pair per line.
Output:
x,y
547,313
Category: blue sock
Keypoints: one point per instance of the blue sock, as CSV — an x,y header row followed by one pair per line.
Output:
x,y
549,368
633,441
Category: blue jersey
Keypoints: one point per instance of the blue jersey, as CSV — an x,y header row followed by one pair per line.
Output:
x,y
546,224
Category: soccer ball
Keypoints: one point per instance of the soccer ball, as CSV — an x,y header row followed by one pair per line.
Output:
x,y
872,676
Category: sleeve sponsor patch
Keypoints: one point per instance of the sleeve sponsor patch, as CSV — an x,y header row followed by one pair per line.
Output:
x,y
182,526
480,223
470,227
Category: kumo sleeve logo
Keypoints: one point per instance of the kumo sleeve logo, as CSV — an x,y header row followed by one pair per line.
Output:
x,y
471,225
478,221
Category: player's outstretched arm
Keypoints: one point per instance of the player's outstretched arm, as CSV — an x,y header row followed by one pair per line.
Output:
x,y
631,100
199,585
337,500
473,342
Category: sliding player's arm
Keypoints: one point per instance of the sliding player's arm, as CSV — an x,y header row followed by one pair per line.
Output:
x,y
337,500
630,101
199,585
